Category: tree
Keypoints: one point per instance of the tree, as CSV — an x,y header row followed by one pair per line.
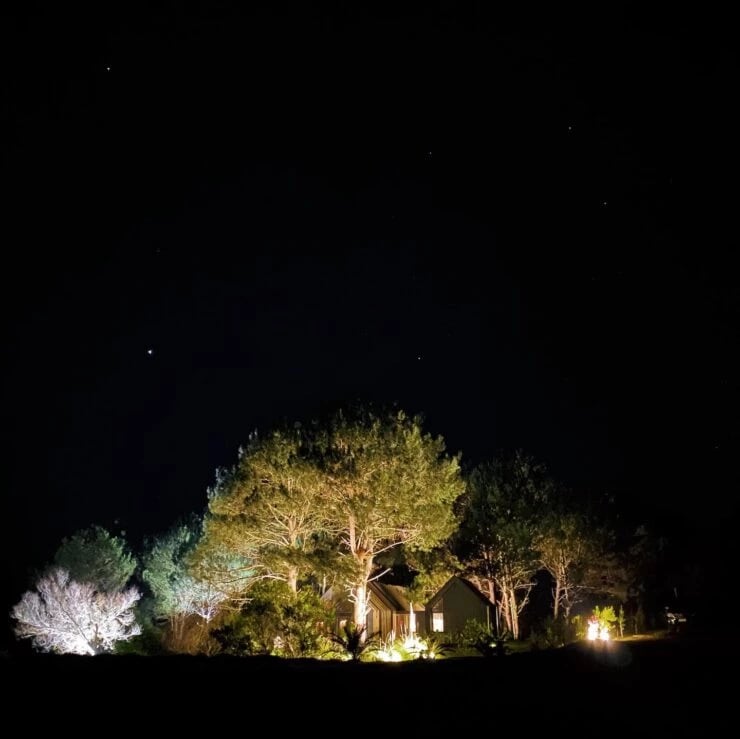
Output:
x,y
70,617
431,570
568,548
178,592
268,509
385,483
95,556
501,512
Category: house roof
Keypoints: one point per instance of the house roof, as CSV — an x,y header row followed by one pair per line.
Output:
x,y
393,597
397,595
466,583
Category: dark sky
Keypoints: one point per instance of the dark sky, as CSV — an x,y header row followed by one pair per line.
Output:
x,y
519,224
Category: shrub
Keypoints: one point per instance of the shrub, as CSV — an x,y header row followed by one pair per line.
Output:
x,y
553,633
277,621
483,639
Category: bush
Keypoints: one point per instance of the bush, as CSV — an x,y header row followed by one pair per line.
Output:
x,y
482,638
553,633
146,644
277,621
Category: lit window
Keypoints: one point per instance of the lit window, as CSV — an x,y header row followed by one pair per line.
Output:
x,y
438,622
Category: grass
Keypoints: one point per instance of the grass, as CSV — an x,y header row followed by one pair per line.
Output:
x,y
658,685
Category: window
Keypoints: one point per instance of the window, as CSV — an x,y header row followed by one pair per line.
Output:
x,y
438,622
438,619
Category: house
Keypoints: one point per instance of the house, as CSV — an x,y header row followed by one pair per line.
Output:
x,y
389,609
454,604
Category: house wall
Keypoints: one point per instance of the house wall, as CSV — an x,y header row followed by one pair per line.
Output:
x,y
401,623
380,617
459,605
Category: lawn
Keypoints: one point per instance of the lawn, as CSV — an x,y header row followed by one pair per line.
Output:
x,y
615,689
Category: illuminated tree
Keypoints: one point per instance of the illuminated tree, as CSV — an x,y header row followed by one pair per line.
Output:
x,y
95,556
268,509
385,483
501,513
70,617
178,590
568,548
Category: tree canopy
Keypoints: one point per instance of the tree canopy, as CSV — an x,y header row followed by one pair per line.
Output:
x,y
70,617
385,483
95,556
501,514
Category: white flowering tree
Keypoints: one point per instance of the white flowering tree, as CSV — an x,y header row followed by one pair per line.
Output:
x,y
71,617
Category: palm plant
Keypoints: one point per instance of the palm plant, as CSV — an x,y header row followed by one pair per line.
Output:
x,y
352,642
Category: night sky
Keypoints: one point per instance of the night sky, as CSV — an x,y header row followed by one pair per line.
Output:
x,y
520,225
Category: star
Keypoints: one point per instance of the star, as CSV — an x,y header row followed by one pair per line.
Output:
x,y
604,202
419,358
570,128
150,352
107,69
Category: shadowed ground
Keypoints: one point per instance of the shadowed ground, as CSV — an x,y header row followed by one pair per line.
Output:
x,y
584,690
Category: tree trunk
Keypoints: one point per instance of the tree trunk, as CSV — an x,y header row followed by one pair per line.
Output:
x,y
505,609
514,613
360,607
556,604
492,597
293,579
362,595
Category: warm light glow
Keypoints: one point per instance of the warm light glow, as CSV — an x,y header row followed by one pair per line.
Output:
x,y
597,632
389,655
414,644
398,650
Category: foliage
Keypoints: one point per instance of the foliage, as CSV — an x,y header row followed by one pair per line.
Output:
x,y
553,633
411,647
431,569
605,616
277,621
385,484
169,572
501,514
95,556
268,509
434,647
69,617
580,626
164,566
482,639
353,642
569,547
187,594
149,643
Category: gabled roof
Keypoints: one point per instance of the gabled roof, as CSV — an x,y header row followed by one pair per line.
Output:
x,y
393,597
466,583
398,596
